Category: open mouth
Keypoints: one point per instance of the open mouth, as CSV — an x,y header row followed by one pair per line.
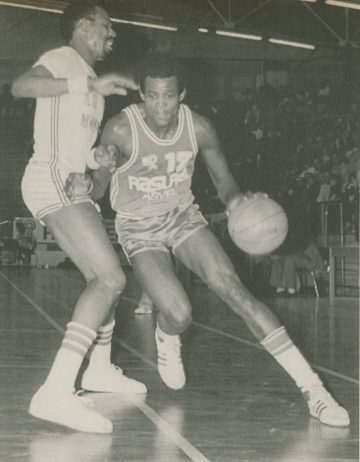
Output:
x,y
109,44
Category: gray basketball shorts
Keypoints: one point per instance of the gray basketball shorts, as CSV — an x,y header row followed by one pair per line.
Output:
x,y
161,233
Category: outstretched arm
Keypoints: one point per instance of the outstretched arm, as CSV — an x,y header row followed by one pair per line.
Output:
x,y
39,82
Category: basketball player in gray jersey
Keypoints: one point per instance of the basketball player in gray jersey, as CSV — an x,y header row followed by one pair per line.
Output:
x,y
157,142
69,108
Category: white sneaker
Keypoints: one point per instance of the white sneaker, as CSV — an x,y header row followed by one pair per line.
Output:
x,y
323,406
110,379
143,308
66,409
169,362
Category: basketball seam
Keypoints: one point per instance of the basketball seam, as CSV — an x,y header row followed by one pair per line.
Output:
x,y
268,240
260,221
248,205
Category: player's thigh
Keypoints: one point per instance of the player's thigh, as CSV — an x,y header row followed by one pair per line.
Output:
x,y
80,233
203,254
156,275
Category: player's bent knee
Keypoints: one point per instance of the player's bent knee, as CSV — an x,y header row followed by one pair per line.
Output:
x,y
181,318
115,281
118,282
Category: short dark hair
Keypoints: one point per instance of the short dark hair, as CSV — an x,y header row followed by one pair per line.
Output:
x,y
76,10
161,66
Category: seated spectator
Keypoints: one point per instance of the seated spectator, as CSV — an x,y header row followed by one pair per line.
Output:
x,y
299,253
335,188
324,193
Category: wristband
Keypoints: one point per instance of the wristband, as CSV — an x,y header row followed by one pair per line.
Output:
x,y
90,160
78,84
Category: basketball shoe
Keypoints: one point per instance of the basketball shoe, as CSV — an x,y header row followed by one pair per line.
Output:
x,y
110,379
67,409
323,406
169,362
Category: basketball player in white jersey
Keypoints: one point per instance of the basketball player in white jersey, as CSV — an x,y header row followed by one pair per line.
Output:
x,y
69,110
157,142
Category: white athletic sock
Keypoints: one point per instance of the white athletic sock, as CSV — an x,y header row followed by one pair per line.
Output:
x,y
74,347
281,347
163,335
100,350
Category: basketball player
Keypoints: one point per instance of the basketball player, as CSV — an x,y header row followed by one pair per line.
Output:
x,y
70,104
157,142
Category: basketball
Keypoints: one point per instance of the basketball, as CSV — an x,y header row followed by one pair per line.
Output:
x,y
258,225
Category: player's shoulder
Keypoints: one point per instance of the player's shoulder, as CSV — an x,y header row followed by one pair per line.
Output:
x,y
59,61
204,128
118,131
60,53
118,125
201,122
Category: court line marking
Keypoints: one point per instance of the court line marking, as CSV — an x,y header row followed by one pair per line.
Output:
x,y
172,434
184,445
213,330
255,345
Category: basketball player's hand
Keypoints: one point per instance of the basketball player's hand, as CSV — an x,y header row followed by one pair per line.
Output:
x,y
234,202
241,197
78,184
107,156
112,84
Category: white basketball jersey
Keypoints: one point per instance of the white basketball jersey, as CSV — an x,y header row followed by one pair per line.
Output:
x,y
66,126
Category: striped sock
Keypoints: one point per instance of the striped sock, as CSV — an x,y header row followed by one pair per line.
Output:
x,y
101,349
74,347
281,347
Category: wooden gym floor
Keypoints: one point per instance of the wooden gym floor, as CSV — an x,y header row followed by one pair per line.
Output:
x,y
238,404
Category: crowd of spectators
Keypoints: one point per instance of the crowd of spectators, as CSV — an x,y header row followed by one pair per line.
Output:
x,y
301,147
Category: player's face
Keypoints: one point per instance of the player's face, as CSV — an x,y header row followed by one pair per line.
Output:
x,y
100,35
162,99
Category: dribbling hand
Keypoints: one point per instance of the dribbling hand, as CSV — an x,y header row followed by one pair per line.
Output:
x,y
78,184
112,84
240,197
